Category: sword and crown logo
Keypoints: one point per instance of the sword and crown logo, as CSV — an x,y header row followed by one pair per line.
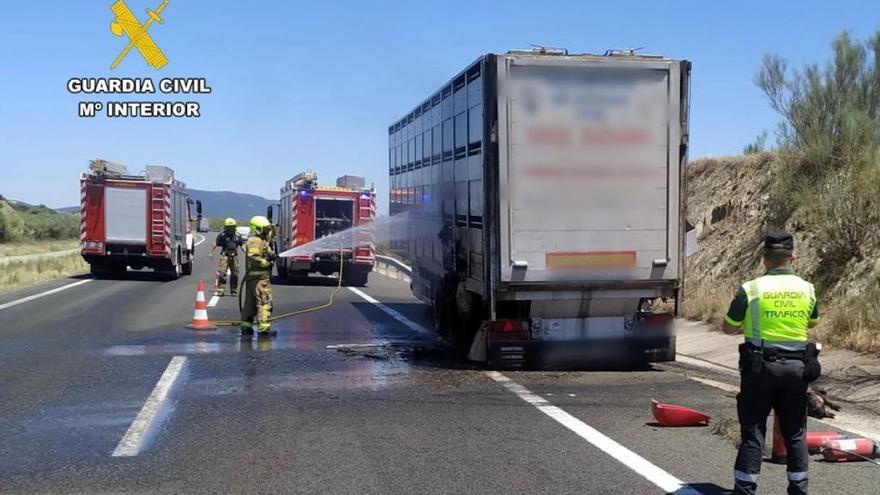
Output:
x,y
138,37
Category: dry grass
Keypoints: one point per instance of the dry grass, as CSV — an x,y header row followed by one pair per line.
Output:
x,y
21,274
34,247
706,303
854,324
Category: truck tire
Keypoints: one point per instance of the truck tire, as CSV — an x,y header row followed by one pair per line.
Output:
x,y
356,277
173,273
118,271
296,274
187,267
100,271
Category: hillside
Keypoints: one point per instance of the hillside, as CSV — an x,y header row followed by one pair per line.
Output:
x,y
731,202
20,221
222,204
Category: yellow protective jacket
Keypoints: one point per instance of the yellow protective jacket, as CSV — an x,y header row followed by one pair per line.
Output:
x,y
257,263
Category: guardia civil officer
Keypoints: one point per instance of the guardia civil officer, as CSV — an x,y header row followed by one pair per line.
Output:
x,y
774,313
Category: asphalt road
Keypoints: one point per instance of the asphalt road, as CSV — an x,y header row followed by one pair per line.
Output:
x,y
383,410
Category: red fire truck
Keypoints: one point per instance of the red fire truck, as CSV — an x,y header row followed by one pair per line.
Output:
x,y
310,213
137,221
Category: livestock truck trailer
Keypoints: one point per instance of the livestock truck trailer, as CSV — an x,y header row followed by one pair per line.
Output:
x,y
544,200
326,222
138,221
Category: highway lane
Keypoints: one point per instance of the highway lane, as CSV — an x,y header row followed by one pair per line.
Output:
x,y
386,410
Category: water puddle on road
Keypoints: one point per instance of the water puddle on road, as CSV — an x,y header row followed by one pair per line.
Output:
x,y
230,341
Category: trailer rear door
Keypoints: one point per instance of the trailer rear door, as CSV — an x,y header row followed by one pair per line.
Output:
x,y
589,166
126,214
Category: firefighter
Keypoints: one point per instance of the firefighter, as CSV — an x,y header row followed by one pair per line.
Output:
x,y
229,243
777,361
257,306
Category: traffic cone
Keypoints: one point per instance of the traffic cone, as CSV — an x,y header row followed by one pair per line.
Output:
x,y
779,454
200,319
673,415
850,449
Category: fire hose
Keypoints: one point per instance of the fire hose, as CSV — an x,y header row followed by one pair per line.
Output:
x,y
233,323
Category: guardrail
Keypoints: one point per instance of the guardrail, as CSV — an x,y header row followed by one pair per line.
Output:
x,y
393,268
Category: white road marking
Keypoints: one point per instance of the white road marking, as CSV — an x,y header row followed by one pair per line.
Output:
x,y
714,383
358,346
213,302
201,239
702,363
145,422
393,313
43,294
665,481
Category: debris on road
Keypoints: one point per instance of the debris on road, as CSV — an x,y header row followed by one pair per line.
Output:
x,y
819,405
727,428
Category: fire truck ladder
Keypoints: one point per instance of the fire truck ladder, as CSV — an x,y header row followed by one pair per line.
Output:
x,y
157,219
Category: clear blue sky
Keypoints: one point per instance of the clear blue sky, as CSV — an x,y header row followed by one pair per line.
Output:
x,y
315,84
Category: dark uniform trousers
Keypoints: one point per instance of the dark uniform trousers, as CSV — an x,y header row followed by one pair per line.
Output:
x,y
780,386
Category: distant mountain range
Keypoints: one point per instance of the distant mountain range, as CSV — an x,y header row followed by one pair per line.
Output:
x,y
220,204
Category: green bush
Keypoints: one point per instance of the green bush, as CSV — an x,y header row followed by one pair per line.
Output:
x,y
24,223
11,224
829,138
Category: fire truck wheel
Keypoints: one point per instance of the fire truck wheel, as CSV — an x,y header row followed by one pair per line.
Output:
x,y
99,271
174,270
356,277
188,267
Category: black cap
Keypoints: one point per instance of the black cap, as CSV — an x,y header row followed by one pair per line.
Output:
x,y
779,242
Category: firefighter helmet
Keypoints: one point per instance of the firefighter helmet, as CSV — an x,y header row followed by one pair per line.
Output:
x,y
229,222
258,223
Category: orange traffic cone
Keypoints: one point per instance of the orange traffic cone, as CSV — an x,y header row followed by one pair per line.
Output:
x,y
200,319
779,455
673,415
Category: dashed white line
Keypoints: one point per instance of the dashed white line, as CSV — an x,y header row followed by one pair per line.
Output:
x,y
654,474
393,313
153,411
213,302
43,294
665,481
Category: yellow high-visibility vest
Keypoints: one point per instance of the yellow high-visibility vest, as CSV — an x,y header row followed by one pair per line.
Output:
x,y
779,310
